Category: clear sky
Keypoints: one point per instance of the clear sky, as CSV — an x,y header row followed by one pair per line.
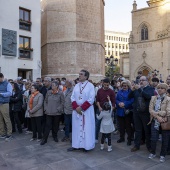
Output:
x,y
118,14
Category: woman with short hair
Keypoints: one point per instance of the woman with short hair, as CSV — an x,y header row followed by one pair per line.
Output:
x,y
124,112
159,108
35,109
53,107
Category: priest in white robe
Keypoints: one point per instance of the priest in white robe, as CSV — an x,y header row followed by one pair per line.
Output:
x,y
83,117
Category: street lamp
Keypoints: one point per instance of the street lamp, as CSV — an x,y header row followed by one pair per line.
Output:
x,y
112,63
156,73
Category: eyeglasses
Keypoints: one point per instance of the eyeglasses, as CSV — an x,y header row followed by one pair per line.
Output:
x,y
81,74
160,88
142,80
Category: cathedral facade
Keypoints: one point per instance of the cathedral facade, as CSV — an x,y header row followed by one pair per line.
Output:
x,y
150,39
72,38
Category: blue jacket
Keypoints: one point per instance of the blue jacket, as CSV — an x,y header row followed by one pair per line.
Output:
x,y
122,96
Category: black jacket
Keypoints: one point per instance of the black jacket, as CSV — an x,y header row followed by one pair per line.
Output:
x,y
146,93
44,90
16,101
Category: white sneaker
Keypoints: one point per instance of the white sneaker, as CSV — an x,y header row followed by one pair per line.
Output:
x,y
96,141
8,138
101,146
151,156
162,159
28,132
109,148
116,132
32,139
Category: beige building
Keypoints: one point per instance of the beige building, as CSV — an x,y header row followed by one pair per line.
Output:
x,y
150,38
116,43
124,64
72,38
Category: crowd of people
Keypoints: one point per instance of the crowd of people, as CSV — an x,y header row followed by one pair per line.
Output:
x,y
139,108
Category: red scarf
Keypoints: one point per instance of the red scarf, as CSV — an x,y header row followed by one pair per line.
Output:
x,y
31,99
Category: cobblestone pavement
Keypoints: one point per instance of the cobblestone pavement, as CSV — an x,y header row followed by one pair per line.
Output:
x,y
21,154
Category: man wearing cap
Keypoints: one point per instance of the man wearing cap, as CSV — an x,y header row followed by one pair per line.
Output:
x,y
5,123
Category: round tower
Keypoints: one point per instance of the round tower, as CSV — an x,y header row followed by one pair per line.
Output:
x,y
72,38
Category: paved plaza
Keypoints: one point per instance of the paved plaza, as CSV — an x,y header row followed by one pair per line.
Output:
x,y
21,154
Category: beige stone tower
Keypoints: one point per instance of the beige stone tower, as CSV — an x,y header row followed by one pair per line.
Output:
x,y
72,38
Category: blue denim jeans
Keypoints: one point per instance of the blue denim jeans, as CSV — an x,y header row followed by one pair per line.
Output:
x,y
68,124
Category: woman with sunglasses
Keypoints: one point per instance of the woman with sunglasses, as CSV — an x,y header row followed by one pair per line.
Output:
x,y
124,111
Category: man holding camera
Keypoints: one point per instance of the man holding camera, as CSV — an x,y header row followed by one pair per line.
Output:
x,y
142,94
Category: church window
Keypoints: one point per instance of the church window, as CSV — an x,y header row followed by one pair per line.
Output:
x,y
144,32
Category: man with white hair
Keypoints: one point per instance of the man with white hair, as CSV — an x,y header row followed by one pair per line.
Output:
x,y
46,87
68,109
43,91
142,94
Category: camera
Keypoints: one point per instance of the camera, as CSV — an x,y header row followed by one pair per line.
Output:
x,y
127,111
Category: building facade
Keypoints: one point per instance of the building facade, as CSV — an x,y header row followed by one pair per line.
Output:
x,y
20,53
116,43
150,39
124,64
72,38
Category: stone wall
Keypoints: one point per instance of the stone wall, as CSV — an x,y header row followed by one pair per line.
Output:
x,y
73,38
152,53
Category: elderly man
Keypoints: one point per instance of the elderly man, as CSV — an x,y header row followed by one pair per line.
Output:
x,y
83,119
142,94
68,109
5,123
43,91
46,87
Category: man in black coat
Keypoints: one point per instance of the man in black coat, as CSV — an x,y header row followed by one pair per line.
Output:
x,y
142,94
43,91
46,87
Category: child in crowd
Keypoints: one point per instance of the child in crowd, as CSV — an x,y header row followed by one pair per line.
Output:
x,y
106,126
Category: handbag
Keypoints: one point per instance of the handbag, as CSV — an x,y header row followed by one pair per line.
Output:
x,y
166,125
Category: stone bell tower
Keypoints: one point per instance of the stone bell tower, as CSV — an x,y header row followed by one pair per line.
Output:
x,y
72,38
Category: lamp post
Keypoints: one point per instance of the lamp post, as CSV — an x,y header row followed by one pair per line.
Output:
x,y
111,63
156,73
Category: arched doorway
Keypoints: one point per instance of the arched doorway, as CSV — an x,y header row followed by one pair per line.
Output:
x,y
145,72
